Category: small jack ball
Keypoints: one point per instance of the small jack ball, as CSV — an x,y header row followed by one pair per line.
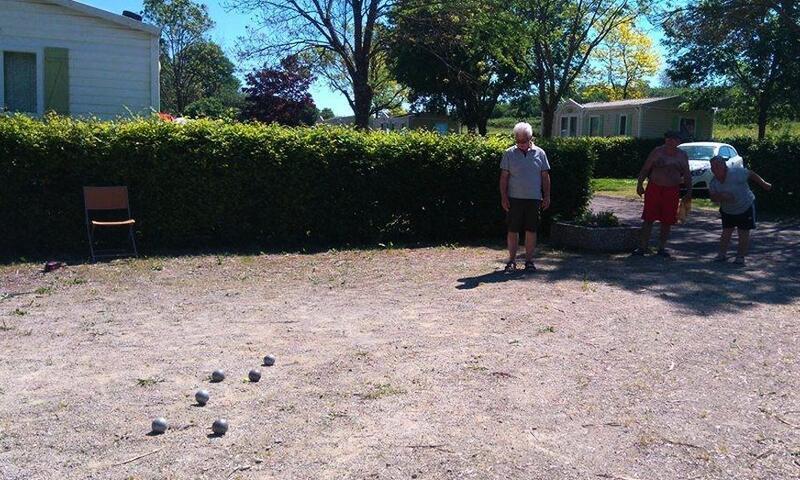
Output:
x,y
254,375
218,375
269,360
220,426
160,425
202,397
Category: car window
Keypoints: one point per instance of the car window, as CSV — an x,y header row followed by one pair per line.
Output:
x,y
732,151
698,152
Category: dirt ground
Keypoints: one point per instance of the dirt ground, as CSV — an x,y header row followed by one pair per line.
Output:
x,y
409,363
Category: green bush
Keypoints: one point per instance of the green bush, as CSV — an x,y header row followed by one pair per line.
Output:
x,y
621,157
216,184
776,159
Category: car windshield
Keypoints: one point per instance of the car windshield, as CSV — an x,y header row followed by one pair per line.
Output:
x,y
698,152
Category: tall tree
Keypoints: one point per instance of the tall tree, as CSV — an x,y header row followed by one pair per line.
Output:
x,y
754,47
459,51
184,46
326,113
280,94
624,59
561,37
347,29
387,93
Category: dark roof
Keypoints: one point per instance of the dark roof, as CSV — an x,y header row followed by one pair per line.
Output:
x,y
634,102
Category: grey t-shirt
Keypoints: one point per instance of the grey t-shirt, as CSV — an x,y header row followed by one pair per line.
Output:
x,y
525,169
736,184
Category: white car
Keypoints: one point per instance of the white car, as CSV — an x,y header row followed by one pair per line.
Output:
x,y
700,154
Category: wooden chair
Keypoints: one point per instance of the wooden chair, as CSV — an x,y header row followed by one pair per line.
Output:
x,y
106,199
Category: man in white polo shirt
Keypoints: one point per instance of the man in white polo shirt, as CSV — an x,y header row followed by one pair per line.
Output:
x,y
730,189
524,189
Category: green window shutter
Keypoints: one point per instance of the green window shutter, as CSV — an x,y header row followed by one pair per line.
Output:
x,y
615,128
675,123
586,124
56,80
698,132
600,130
19,86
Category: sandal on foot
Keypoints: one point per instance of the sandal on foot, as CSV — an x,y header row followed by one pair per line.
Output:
x,y
721,258
639,252
529,266
662,252
739,260
511,267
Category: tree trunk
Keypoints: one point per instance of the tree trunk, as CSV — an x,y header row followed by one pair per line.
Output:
x,y
362,98
763,106
548,115
482,125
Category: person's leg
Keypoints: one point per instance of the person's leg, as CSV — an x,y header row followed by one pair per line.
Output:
x,y
664,235
744,242
725,241
530,245
647,228
668,215
513,244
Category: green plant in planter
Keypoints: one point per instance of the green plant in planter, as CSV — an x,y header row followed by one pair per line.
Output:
x,y
597,220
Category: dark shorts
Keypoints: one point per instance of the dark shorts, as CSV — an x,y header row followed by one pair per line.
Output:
x,y
745,220
523,215
661,204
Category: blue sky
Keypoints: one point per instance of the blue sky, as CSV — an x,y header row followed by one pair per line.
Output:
x,y
231,25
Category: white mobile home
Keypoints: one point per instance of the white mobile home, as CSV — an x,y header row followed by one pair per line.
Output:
x,y
73,59
642,117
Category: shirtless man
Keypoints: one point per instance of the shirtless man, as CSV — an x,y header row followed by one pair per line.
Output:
x,y
666,168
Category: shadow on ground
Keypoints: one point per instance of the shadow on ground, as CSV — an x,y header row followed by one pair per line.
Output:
x,y
691,280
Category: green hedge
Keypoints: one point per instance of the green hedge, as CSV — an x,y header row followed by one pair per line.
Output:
x,y
621,157
778,161
215,184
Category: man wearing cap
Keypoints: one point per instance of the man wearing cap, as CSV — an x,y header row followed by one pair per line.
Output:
x,y
524,189
666,168
729,188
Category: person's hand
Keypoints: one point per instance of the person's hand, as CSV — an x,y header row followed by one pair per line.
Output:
x,y
767,186
639,189
506,204
545,203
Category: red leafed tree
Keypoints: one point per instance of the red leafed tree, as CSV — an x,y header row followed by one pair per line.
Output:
x,y
280,94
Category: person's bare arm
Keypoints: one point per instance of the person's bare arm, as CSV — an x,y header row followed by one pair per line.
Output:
x,y
759,181
687,177
645,171
504,189
545,189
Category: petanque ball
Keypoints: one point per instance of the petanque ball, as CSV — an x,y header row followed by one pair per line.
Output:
x,y
220,426
201,396
254,375
218,375
269,360
160,425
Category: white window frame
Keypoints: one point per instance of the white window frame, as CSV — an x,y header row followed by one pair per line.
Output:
x,y
692,118
39,52
598,133
569,119
619,125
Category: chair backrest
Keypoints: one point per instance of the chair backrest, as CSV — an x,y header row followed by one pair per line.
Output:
x,y
105,198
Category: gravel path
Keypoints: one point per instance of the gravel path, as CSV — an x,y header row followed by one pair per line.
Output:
x,y
409,363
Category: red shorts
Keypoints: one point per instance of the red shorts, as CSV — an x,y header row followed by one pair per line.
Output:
x,y
661,204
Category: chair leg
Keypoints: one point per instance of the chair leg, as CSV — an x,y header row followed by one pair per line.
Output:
x,y
133,241
91,242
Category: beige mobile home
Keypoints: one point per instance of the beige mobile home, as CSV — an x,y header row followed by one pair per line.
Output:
x,y
642,117
73,59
